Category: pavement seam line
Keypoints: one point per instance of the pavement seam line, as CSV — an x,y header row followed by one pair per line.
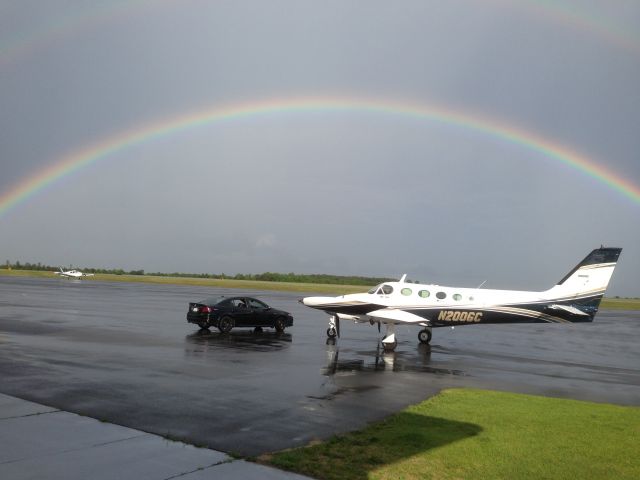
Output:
x,y
122,440
78,449
29,415
222,462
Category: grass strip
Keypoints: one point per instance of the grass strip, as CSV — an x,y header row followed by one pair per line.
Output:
x,y
205,282
620,304
480,434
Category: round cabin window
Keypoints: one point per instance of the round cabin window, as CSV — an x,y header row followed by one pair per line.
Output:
x,y
441,295
424,293
406,291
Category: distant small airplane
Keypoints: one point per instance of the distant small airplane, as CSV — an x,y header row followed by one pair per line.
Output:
x,y
73,273
575,298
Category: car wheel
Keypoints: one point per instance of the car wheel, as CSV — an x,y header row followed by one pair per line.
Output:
x,y
203,325
257,330
225,324
279,325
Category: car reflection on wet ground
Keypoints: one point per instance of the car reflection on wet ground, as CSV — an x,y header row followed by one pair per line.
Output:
x,y
205,341
124,353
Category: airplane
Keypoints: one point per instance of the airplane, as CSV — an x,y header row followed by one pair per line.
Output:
x,y
73,273
575,298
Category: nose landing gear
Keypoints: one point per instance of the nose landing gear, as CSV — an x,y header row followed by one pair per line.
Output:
x,y
334,327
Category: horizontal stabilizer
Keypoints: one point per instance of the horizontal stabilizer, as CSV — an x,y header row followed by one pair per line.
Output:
x,y
399,316
568,308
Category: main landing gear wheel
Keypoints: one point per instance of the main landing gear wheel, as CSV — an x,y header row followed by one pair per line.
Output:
x,y
389,342
424,336
279,325
389,346
332,332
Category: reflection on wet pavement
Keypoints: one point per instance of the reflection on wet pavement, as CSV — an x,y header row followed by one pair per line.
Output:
x,y
383,361
204,341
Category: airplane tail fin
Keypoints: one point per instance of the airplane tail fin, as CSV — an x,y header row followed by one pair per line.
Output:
x,y
585,285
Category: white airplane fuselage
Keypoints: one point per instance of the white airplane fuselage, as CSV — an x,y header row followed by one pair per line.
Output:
x,y
574,299
73,274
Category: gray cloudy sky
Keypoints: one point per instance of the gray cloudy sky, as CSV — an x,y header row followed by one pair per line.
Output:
x,y
323,192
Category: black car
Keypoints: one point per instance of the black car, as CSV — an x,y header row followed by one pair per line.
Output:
x,y
225,313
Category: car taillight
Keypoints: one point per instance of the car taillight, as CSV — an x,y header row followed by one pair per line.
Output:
x,y
205,309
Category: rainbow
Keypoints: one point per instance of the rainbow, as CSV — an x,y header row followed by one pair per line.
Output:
x,y
98,13
579,18
69,23
110,147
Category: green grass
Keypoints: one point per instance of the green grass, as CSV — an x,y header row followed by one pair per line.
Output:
x,y
620,304
478,434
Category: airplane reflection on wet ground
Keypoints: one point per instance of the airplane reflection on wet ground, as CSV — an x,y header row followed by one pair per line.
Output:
x,y
383,361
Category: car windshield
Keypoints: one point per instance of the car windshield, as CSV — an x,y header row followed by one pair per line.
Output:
x,y
211,301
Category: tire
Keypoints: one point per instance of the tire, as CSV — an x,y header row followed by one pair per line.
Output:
x,y
279,325
203,325
331,332
257,330
389,347
424,336
225,324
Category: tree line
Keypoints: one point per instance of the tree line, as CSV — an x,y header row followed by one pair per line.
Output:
x,y
266,276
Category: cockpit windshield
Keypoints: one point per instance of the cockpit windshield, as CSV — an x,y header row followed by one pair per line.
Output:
x,y
382,290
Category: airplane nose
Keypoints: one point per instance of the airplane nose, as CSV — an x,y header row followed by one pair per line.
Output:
x,y
317,302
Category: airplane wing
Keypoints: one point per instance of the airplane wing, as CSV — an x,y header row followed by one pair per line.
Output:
x,y
398,316
87,274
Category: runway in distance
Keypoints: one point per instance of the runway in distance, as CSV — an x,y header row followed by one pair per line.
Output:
x,y
73,273
575,298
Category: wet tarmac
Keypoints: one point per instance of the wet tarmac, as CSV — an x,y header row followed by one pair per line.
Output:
x,y
123,353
